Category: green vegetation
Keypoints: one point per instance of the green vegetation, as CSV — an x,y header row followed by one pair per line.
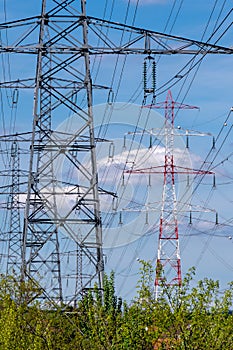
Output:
x,y
182,318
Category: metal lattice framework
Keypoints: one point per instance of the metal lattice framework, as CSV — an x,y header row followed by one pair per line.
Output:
x,y
15,231
68,39
44,215
168,263
168,257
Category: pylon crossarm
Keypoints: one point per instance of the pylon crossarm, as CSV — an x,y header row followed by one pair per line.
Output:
x,y
161,169
143,42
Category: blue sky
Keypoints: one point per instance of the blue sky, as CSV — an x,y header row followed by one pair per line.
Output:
x,y
208,87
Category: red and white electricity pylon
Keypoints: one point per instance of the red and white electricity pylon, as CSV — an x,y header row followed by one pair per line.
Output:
x,y
168,264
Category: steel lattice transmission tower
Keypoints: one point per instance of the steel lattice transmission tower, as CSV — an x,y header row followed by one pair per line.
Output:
x,y
168,263
14,253
44,215
63,192
168,258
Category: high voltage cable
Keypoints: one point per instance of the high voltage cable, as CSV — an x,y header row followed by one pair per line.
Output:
x,y
115,67
208,40
203,34
132,141
198,66
137,92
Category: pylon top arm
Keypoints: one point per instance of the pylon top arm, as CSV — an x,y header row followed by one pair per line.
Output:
x,y
142,41
161,169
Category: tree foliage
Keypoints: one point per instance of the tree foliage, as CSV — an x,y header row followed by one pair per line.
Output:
x,y
183,317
